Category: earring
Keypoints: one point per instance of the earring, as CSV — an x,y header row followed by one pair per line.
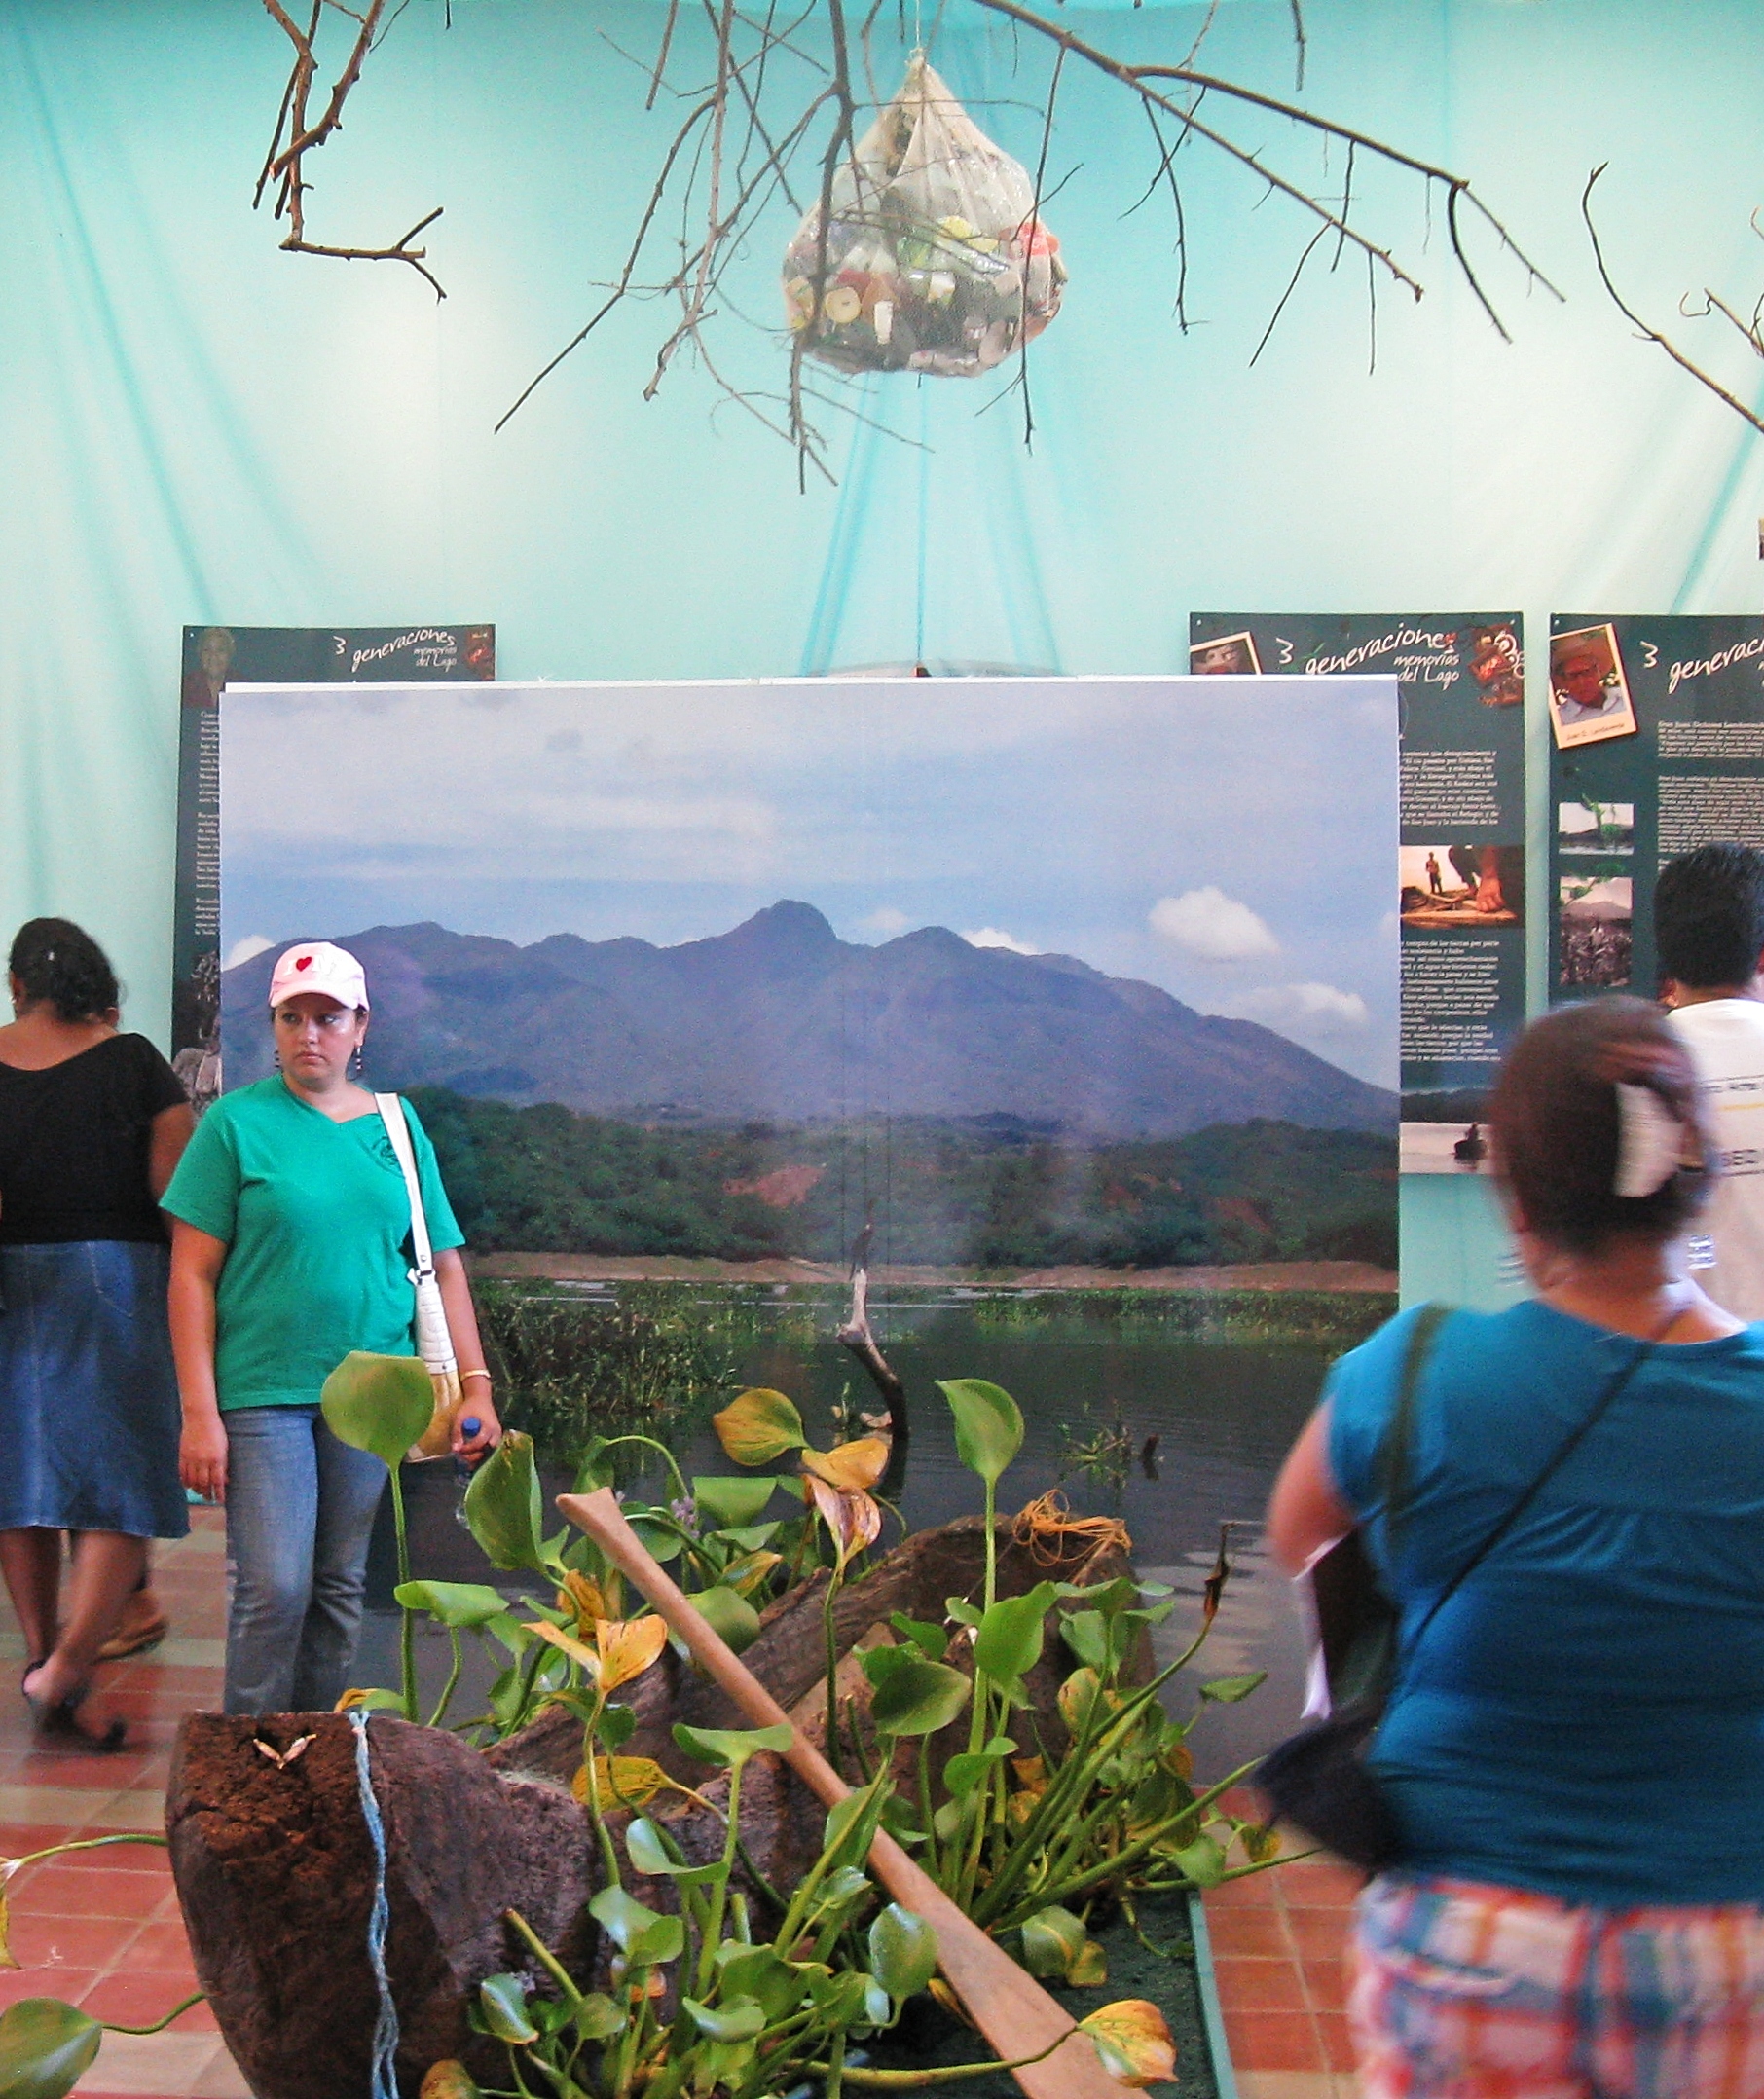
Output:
x,y
276,1055
355,1065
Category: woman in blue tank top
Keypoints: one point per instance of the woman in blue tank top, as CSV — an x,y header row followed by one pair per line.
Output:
x,y
1574,1747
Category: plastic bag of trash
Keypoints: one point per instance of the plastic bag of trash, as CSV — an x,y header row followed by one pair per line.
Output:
x,y
933,259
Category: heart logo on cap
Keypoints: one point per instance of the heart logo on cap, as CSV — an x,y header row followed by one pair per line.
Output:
x,y
303,962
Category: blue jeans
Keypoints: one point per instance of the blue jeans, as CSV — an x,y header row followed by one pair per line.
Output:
x,y
300,1512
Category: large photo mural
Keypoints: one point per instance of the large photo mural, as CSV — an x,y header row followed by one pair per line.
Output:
x,y
1060,1003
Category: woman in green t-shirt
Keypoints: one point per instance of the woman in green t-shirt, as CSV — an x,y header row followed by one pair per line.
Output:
x,y
290,1246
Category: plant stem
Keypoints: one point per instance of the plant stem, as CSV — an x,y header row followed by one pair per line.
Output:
x,y
407,1630
159,2026
447,1690
907,2081
832,1668
719,1888
548,1960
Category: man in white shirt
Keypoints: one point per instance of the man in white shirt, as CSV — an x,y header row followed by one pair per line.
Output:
x,y
1709,933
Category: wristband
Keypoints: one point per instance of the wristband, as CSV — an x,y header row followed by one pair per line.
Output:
x,y
484,1374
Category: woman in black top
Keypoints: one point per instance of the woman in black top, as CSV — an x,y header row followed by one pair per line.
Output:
x,y
91,1123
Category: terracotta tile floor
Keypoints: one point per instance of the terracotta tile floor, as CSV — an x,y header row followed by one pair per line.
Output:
x,y
102,1929
1279,1941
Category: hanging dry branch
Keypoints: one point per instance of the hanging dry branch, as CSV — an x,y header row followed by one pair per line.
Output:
x,y
778,113
1650,334
296,136
761,110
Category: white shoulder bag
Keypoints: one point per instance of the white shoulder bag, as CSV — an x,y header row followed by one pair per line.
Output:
x,y
434,1344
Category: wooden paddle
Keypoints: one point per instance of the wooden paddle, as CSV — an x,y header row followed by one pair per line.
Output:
x,y
1007,2005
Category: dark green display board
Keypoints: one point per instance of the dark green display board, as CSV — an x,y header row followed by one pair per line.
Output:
x,y
212,658
1672,713
1460,891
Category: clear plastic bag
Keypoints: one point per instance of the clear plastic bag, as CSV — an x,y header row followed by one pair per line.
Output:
x,y
934,258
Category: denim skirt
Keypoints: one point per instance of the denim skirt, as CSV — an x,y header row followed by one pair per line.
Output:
x,y
88,1407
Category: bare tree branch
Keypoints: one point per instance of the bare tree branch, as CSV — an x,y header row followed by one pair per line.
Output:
x,y
1642,328
294,137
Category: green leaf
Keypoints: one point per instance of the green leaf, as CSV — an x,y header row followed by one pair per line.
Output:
x,y
902,1950
1052,1940
730,1615
1008,1643
596,1469
757,1427
988,1426
502,1506
917,1697
379,1403
597,2018
739,2020
453,1602
503,2003
1203,1861
731,1746
932,1640
645,1849
961,1611
971,1766
759,1973
374,1701
618,1724
661,1541
642,1935
1228,1690
842,1887
46,2047
1086,1633
730,1503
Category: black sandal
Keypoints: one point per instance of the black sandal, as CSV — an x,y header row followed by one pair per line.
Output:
x,y
57,1724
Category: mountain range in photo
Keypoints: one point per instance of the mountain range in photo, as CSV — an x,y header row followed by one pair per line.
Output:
x,y
780,1020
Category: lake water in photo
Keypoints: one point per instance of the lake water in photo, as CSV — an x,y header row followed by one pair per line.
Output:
x,y
1090,1379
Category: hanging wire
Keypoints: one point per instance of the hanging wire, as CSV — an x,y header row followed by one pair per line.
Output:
x,y
385,2078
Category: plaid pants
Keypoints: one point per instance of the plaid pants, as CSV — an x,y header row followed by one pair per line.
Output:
x,y
1464,1991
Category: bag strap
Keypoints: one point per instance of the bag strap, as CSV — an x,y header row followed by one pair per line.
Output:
x,y
391,1114
1557,1459
1396,1447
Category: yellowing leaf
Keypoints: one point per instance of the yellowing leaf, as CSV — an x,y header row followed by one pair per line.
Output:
x,y
1260,1843
949,1999
6,1950
850,1467
449,2079
749,1572
622,1781
582,1598
854,1521
1031,1772
1090,1969
1134,2042
759,1426
569,1644
627,1648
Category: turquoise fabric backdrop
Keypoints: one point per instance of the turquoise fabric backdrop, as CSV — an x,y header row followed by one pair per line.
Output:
x,y
194,427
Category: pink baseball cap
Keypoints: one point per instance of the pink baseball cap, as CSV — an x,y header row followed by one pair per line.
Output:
x,y
318,965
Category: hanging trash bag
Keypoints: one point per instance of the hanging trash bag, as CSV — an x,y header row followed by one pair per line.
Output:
x,y
933,259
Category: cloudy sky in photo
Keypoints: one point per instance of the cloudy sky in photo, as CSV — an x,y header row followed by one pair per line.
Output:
x,y
1232,842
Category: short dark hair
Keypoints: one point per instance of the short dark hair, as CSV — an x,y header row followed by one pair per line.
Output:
x,y
1709,916
1558,1125
55,959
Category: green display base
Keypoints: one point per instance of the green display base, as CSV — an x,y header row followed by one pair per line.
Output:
x,y
1181,1984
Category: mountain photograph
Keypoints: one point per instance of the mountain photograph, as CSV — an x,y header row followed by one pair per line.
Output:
x,y
1020,973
